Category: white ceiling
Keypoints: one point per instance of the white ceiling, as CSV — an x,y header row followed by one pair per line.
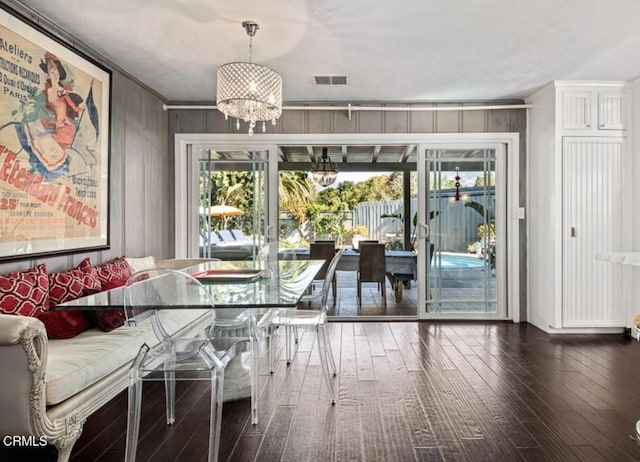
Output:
x,y
401,50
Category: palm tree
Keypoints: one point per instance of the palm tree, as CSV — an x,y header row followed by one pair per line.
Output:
x,y
296,191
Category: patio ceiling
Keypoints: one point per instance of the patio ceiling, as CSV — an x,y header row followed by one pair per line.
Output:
x,y
354,158
374,157
346,154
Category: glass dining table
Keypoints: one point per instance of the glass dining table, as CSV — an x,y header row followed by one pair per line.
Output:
x,y
256,288
245,285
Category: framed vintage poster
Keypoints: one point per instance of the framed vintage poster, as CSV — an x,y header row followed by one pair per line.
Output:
x,y
54,145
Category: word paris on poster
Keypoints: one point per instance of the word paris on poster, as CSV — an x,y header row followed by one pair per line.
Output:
x,y
54,145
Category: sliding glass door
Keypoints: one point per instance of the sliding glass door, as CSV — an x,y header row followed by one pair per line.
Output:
x,y
463,250
231,204
462,233
222,201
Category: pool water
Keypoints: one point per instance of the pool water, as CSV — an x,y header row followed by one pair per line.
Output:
x,y
457,262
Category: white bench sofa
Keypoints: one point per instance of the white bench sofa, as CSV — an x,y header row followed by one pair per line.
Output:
x,y
48,388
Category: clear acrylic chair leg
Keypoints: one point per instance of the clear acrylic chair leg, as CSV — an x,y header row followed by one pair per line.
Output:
x,y
215,422
255,375
329,352
323,361
133,417
270,346
287,339
170,396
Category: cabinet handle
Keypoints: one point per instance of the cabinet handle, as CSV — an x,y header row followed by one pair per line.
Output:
x,y
588,125
574,232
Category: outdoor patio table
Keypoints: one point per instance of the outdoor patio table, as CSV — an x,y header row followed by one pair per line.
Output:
x,y
279,284
401,266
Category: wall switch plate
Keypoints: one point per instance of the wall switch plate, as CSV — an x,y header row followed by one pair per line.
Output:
x,y
519,213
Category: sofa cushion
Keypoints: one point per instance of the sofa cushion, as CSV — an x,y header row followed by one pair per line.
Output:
x,y
25,292
76,363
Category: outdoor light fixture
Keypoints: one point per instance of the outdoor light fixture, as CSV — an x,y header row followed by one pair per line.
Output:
x,y
249,91
324,172
457,178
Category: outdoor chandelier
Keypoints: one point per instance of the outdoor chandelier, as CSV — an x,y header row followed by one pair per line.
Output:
x,y
324,172
248,91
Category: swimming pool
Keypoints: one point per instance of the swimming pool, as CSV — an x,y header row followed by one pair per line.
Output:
x,y
457,261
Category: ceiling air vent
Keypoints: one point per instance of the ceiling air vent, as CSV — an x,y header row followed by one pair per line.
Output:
x,y
331,79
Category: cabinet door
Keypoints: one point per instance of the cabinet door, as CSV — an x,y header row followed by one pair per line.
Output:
x,y
593,221
576,109
611,110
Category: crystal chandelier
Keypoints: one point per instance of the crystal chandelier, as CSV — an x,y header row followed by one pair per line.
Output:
x,y
249,91
324,172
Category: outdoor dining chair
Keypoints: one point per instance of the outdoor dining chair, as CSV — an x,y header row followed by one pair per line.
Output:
x,y
150,297
372,268
323,250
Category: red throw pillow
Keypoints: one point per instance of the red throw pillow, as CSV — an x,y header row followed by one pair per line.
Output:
x,y
25,292
84,263
91,280
64,323
107,320
62,288
65,286
113,273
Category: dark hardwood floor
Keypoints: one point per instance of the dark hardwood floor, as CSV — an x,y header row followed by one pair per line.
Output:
x,y
410,391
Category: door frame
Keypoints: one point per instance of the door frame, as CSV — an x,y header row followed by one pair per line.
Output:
x,y
270,142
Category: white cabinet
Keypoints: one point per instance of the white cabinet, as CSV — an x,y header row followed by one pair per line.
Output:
x,y
579,178
592,221
592,110
576,110
612,109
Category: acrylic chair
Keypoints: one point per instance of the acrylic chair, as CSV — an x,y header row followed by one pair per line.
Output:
x,y
294,318
372,268
269,253
151,298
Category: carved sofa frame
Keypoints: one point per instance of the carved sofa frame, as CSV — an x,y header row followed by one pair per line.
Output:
x,y
24,354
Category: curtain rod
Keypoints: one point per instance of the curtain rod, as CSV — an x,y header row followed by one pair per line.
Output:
x,y
351,108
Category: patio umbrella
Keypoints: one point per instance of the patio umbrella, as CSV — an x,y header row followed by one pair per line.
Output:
x,y
221,211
